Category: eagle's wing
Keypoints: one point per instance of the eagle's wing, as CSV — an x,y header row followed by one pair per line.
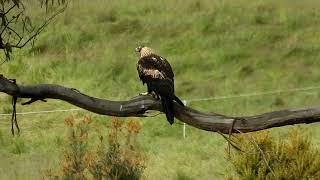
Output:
x,y
155,67
159,63
157,72
165,67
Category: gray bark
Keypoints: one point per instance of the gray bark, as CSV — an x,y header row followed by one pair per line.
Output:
x,y
137,106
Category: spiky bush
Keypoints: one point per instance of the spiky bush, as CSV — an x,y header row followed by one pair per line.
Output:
x,y
292,158
122,159
119,158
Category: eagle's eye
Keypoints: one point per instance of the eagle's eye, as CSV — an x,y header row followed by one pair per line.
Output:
x,y
138,49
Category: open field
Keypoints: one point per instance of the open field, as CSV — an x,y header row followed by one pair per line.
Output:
x,y
216,48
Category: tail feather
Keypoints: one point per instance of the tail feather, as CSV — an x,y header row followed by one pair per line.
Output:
x,y
178,100
167,105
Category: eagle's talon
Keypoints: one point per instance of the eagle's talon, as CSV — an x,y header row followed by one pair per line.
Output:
x,y
144,94
154,95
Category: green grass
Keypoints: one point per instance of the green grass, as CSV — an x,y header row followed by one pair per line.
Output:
x,y
216,48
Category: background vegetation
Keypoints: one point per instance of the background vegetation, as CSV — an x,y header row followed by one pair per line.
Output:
x,y
292,158
216,48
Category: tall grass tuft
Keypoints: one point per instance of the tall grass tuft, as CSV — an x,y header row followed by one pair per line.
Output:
x,y
1,138
291,158
18,146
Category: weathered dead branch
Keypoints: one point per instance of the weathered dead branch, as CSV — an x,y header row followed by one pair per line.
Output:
x,y
137,106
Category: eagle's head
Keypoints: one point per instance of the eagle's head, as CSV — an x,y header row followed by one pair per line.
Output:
x,y
144,51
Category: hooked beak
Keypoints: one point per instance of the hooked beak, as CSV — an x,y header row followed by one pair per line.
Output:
x,y
138,49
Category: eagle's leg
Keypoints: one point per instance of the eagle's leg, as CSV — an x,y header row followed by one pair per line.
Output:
x,y
150,93
153,94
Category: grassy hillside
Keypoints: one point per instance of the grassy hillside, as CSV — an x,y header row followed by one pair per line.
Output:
x,y
216,48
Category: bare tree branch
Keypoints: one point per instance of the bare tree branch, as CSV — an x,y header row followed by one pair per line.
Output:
x,y
10,9
38,31
20,27
140,104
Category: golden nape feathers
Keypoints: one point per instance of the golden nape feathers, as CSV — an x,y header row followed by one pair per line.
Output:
x,y
144,51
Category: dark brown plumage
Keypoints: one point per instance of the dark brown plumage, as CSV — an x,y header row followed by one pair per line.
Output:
x,y
157,73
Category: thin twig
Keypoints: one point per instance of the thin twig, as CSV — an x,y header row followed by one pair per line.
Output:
x,y
230,134
6,26
3,61
10,9
230,142
14,112
17,34
41,27
253,141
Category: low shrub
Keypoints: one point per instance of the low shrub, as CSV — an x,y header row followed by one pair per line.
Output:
x,y
118,158
292,158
